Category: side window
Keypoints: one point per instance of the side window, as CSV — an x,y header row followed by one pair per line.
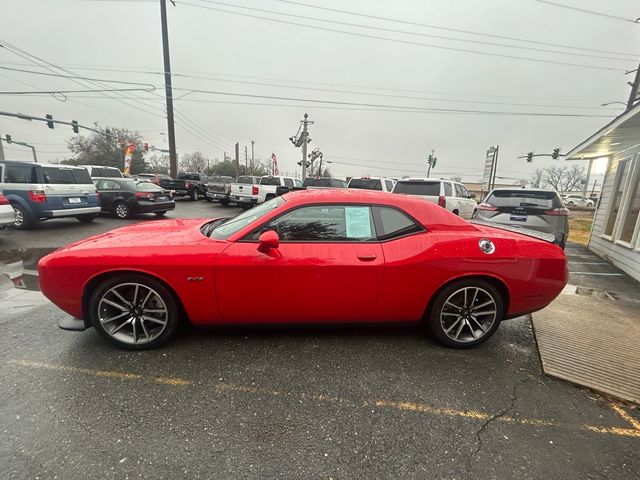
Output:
x,y
392,223
458,190
20,174
298,183
288,182
447,189
323,223
389,185
465,192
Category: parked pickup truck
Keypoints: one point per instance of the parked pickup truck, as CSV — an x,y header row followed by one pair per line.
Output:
x,y
218,188
192,185
270,187
244,192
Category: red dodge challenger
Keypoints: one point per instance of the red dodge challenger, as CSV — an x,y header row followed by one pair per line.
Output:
x,y
368,256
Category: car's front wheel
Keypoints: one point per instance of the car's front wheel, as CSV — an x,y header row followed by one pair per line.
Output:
x,y
466,313
134,312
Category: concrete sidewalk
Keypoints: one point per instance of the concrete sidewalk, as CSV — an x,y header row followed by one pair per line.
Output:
x,y
590,335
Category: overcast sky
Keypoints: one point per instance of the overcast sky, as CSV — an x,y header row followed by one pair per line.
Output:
x,y
242,54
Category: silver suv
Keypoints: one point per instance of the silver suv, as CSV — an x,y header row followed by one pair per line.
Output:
x,y
534,209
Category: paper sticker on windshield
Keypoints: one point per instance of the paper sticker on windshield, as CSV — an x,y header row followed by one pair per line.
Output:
x,y
358,222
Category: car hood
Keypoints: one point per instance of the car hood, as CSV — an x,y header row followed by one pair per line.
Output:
x,y
162,233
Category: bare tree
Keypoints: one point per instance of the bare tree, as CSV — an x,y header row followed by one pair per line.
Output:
x,y
157,164
456,179
194,162
563,179
536,179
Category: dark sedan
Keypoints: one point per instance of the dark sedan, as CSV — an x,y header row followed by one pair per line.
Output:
x,y
124,197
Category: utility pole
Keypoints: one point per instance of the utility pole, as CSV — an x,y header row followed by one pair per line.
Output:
x,y
173,157
305,136
2,159
252,158
431,161
246,160
586,182
301,139
237,159
634,89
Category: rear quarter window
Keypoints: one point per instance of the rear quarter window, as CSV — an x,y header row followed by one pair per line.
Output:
x,y
418,188
392,223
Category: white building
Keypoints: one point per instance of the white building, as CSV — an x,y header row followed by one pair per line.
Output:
x,y
615,234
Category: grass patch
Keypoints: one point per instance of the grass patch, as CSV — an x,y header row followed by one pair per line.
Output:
x,y
579,228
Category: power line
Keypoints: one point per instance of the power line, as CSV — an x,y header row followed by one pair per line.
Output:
x,y
457,30
400,107
590,12
405,42
419,34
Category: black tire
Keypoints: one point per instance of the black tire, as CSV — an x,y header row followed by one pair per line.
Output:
x,y
225,202
23,221
125,336
444,321
246,206
121,210
159,214
88,218
455,212
194,195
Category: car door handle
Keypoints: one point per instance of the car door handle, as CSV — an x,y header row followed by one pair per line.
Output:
x,y
367,258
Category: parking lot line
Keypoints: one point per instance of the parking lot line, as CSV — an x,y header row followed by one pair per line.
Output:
x,y
376,403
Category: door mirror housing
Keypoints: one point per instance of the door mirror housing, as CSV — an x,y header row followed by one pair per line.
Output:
x,y
269,240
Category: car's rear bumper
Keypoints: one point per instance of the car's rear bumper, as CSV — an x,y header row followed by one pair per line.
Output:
x,y
72,323
150,207
217,196
243,199
70,212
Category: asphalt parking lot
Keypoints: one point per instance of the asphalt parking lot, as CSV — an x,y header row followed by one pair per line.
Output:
x,y
290,402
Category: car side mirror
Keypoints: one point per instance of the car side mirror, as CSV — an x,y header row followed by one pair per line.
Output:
x,y
472,195
269,240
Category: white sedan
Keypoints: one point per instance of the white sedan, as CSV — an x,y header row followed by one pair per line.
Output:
x,y
578,201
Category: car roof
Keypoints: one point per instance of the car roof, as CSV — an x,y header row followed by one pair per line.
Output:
x,y
48,165
515,187
423,179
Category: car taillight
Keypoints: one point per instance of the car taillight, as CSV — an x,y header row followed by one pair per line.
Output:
x,y
3,200
487,206
187,185
37,196
148,196
255,190
558,212
442,201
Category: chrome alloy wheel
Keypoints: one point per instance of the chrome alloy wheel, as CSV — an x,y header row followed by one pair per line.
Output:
x,y
122,211
133,313
468,314
19,218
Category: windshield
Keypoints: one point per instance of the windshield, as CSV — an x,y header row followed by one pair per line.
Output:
x,y
233,225
366,183
418,188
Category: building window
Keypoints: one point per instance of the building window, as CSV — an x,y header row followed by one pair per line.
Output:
x,y
616,195
631,217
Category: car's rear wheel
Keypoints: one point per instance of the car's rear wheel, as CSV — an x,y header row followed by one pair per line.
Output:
x,y
134,312
121,210
466,313
194,195
246,206
86,218
225,202
23,221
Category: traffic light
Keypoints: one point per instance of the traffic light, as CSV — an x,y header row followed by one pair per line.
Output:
x,y
49,118
146,147
74,125
555,154
434,160
530,157
8,138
